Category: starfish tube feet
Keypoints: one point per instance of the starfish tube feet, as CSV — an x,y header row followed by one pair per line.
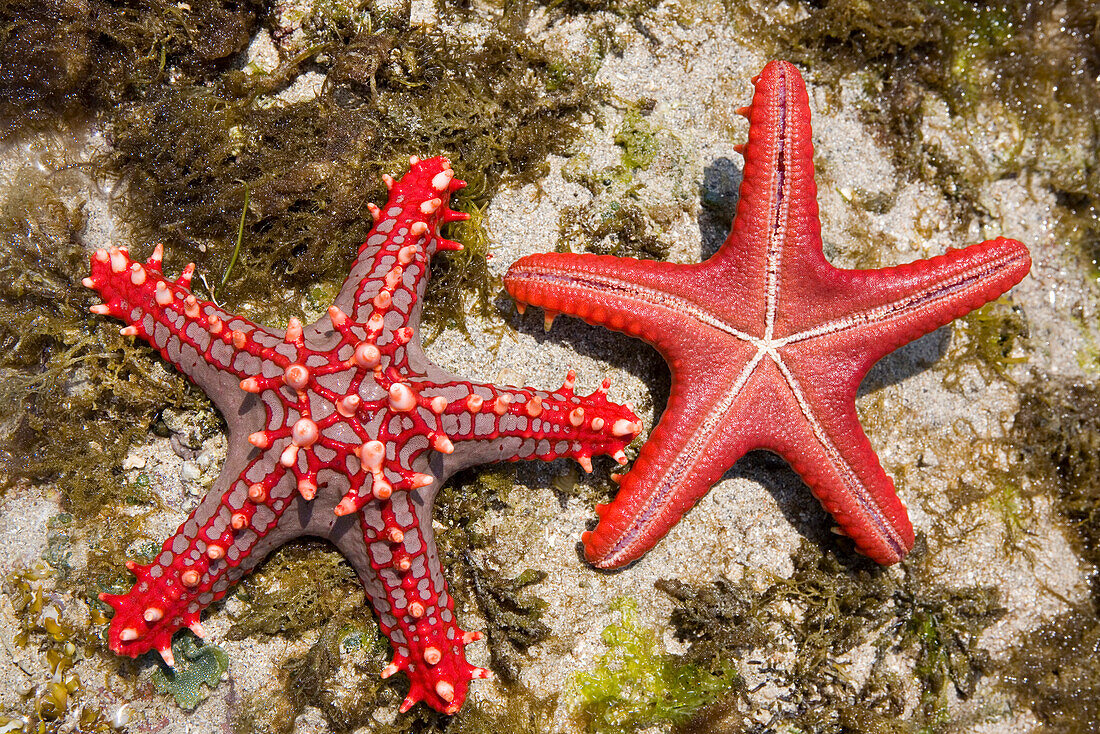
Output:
x,y
767,342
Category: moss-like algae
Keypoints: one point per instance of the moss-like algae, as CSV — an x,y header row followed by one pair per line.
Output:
x,y
823,613
1027,67
514,619
76,396
300,587
1053,672
339,675
995,338
75,392
68,58
191,152
513,614
1051,669
1058,428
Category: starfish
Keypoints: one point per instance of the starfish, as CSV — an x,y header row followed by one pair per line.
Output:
x,y
341,429
767,342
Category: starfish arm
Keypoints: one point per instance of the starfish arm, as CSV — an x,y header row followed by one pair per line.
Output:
x,y
222,540
865,314
777,225
498,423
814,426
213,347
654,301
393,262
408,591
705,428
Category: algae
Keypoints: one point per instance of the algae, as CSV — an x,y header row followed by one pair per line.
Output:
x,y
57,636
624,217
311,166
195,666
65,59
339,675
76,395
828,609
1053,672
513,615
636,685
1058,430
995,338
299,588
322,677
1025,67
513,619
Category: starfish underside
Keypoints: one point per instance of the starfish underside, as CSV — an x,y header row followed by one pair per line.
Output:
x,y
767,342
341,429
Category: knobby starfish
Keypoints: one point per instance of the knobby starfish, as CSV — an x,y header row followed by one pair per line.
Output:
x,y
767,342
344,430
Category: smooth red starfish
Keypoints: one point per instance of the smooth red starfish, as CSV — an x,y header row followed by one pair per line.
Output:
x,y
767,341
344,430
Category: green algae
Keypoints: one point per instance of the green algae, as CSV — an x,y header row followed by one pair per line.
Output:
x,y
1057,429
308,587
63,59
638,140
635,684
322,677
195,666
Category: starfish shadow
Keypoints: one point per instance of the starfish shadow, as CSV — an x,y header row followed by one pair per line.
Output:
x,y
792,496
911,359
719,196
619,351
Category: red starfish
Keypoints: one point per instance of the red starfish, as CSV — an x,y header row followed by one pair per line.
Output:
x,y
767,341
332,428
